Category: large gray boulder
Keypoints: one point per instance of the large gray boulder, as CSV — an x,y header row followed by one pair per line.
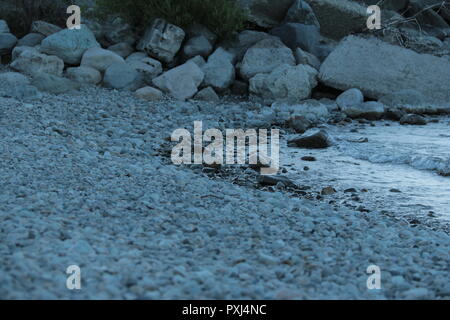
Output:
x,y
7,43
122,76
313,139
219,70
378,69
264,57
70,45
181,82
54,84
287,83
265,13
339,18
100,59
162,40
30,61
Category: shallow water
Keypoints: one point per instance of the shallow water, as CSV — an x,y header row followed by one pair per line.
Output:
x,y
406,158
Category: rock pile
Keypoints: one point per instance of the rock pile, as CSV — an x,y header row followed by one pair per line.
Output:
x,y
307,46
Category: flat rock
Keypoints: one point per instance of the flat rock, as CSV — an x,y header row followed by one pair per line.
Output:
x,y
315,139
379,69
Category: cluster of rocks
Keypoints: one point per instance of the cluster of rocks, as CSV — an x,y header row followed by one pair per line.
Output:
x,y
307,46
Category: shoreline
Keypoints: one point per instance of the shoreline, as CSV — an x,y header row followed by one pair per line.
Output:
x,y
315,186
84,184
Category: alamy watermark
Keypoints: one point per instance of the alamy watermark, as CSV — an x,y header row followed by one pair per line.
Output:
x,y
374,280
374,20
74,21
241,147
73,281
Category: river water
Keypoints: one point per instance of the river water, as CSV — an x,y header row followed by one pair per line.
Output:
x,y
397,170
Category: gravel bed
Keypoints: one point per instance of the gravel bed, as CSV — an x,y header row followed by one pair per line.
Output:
x,y
83,182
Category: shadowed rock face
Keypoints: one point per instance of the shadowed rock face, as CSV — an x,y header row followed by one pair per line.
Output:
x,y
378,69
266,13
388,4
339,18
